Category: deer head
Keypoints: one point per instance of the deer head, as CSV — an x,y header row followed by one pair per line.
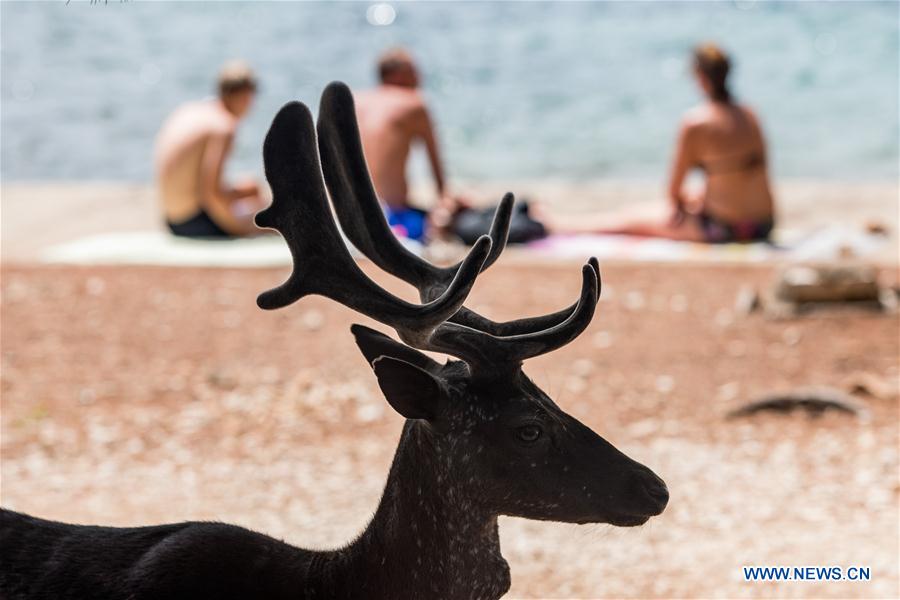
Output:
x,y
504,444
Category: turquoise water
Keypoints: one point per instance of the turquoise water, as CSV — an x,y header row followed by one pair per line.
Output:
x,y
519,90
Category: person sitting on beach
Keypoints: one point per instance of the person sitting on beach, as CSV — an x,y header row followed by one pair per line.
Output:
x,y
191,149
392,116
724,140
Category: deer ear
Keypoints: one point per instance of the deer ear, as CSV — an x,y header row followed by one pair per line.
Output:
x,y
374,344
411,391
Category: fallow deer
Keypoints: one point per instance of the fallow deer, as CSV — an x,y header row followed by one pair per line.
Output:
x,y
480,439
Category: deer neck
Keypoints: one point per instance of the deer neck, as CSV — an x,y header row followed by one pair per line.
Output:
x,y
430,538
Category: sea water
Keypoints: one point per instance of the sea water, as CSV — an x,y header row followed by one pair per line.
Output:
x,y
517,89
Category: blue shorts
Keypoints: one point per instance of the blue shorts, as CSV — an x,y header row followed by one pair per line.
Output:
x,y
407,222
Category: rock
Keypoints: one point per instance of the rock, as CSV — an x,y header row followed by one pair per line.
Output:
x,y
813,400
887,297
602,339
869,384
736,348
791,336
724,317
634,300
747,300
583,367
86,396
678,303
95,286
643,428
576,385
728,391
270,375
231,319
874,227
221,379
828,283
664,384
312,320
775,309
368,413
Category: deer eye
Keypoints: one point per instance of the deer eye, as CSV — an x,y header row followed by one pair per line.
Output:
x,y
529,433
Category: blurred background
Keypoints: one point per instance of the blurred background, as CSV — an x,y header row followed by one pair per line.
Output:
x,y
521,90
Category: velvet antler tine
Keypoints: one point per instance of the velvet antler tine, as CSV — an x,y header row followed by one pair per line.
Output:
x,y
355,202
322,263
352,193
500,228
485,352
595,265
499,234
355,290
282,295
524,326
472,319
542,342
448,303
299,209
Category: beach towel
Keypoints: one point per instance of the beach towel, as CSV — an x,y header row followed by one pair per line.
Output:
x,y
159,248
822,244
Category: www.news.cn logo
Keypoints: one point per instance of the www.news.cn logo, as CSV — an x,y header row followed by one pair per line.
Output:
x,y
807,574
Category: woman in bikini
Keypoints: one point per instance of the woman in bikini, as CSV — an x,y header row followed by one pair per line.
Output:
x,y
724,140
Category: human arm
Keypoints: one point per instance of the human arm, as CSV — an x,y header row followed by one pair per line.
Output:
x,y
424,129
448,204
217,197
681,165
245,188
441,215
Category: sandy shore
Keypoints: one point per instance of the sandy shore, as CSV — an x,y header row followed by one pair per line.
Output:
x,y
138,395
36,216
184,401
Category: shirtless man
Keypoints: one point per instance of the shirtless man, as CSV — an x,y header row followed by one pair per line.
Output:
x,y
191,150
393,116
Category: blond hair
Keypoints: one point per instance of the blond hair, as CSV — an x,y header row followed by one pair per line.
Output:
x,y
235,76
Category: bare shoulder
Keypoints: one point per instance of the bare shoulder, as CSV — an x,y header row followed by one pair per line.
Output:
x,y
222,123
416,98
749,114
411,102
202,119
399,103
693,121
697,116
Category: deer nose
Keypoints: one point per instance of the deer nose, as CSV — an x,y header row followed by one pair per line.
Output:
x,y
660,493
654,490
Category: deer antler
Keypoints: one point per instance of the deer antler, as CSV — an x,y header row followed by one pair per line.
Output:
x,y
364,224
322,264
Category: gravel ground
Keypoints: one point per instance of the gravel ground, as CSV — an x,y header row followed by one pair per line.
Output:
x,y
147,395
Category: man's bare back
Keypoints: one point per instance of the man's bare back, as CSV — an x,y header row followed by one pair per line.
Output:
x,y
191,149
179,154
390,119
